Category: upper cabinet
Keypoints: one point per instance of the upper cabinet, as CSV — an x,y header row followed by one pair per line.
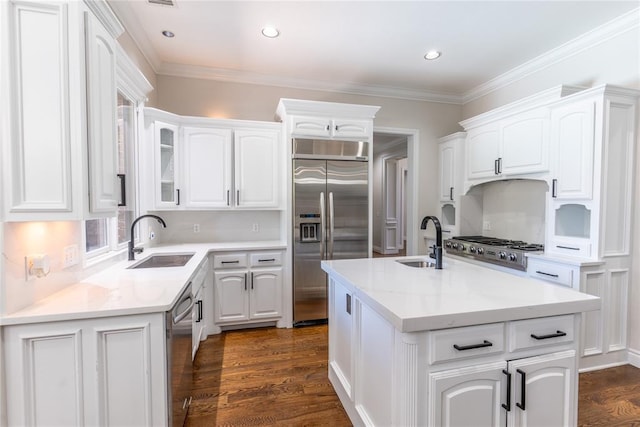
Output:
x,y
326,127
516,145
451,169
204,163
59,71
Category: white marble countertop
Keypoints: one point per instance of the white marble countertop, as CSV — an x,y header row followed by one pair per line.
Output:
x,y
461,294
118,290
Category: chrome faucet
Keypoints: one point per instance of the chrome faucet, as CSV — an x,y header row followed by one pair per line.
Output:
x,y
437,248
133,250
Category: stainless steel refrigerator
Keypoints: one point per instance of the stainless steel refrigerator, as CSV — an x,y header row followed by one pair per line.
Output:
x,y
331,217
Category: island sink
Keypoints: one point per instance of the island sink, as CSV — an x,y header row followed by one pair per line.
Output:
x,y
418,263
164,260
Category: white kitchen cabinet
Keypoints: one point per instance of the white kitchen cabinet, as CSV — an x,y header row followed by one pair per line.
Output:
x,y
101,117
514,373
205,168
330,128
257,168
54,121
572,139
513,146
590,202
211,164
471,396
248,287
451,177
105,371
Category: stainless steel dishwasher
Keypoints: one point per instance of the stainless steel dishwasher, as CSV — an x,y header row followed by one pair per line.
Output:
x,y
179,363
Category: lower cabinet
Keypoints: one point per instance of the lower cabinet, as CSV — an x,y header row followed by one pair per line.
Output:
x,y
105,371
198,288
247,287
534,391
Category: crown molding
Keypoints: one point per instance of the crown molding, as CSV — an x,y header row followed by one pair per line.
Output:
x,y
106,16
596,36
235,76
130,78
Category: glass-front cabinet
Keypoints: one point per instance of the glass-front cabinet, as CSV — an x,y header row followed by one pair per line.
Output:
x,y
166,137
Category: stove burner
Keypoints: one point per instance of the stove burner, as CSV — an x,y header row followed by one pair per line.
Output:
x,y
508,253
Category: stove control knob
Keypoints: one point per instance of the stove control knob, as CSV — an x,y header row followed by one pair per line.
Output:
x,y
461,247
513,257
472,249
480,251
502,255
448,245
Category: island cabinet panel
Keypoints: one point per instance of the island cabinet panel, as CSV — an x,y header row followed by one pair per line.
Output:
x,y
341,309
468,397
105,371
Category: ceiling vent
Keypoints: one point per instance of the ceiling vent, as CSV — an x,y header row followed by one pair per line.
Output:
x,y
162,2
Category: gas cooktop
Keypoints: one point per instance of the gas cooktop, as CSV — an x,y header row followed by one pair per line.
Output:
x,y
508,253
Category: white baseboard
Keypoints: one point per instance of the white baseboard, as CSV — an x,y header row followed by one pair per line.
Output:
x,y
634,357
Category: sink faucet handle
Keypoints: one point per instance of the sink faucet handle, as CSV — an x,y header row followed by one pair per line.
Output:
x,y
138,250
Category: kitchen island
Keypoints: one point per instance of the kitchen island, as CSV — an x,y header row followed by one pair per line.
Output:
x,y
465,345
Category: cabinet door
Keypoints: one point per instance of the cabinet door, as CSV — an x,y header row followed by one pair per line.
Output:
x,y
310,126
266,293
257,171
340,334
101,117
231,296
198,321
468,396
447,172
206,167
166,143
38,169
483,145
350,128
525,143
572,139
543,390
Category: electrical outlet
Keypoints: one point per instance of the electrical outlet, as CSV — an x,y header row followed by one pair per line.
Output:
x,y
70,257
196,228
152,235
486,225
255,227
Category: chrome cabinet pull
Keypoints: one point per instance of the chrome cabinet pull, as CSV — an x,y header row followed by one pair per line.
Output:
x,y
267,260
485,343
177,197
554,188
231,262
348,303
450,193
547,274
123,189
323,225
227,197
237,197
252,280
245,281
331,224
567,247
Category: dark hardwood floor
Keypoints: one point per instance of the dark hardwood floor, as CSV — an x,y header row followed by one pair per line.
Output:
x,y
269,377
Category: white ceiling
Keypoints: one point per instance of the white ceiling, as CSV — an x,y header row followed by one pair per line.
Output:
x,y
373,47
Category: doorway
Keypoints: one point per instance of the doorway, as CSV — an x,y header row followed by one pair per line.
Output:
x,y
390,182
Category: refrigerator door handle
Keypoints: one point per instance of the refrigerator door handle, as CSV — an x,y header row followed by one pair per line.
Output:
x,y
323,225
331,224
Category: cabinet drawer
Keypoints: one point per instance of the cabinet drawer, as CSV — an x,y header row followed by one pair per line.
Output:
x,y
472,341
262,259
229,261
531,333
573,248
551,272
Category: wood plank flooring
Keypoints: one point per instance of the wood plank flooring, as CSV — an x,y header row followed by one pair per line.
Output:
x,y
269,377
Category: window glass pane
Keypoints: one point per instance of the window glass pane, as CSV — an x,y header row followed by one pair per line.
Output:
x,y
125,165
96,234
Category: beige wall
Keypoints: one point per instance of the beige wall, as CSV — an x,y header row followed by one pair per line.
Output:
x,y
200,97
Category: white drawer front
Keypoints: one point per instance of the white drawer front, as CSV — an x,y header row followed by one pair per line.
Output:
x,y
472,341
531,333
551,272
572,248
229,261
263,259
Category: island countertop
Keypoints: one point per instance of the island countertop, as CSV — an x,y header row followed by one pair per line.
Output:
x,y
461,294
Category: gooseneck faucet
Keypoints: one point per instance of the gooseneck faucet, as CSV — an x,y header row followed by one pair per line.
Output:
x,y
437,248
133,224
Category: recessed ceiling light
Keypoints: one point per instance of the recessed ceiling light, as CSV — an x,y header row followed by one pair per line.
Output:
x,y
270,32
432,54
168,33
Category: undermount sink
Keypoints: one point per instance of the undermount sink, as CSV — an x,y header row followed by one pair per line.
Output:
x,y
417,263
164,260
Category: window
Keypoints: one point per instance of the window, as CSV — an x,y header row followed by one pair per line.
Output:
x,y
109,234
